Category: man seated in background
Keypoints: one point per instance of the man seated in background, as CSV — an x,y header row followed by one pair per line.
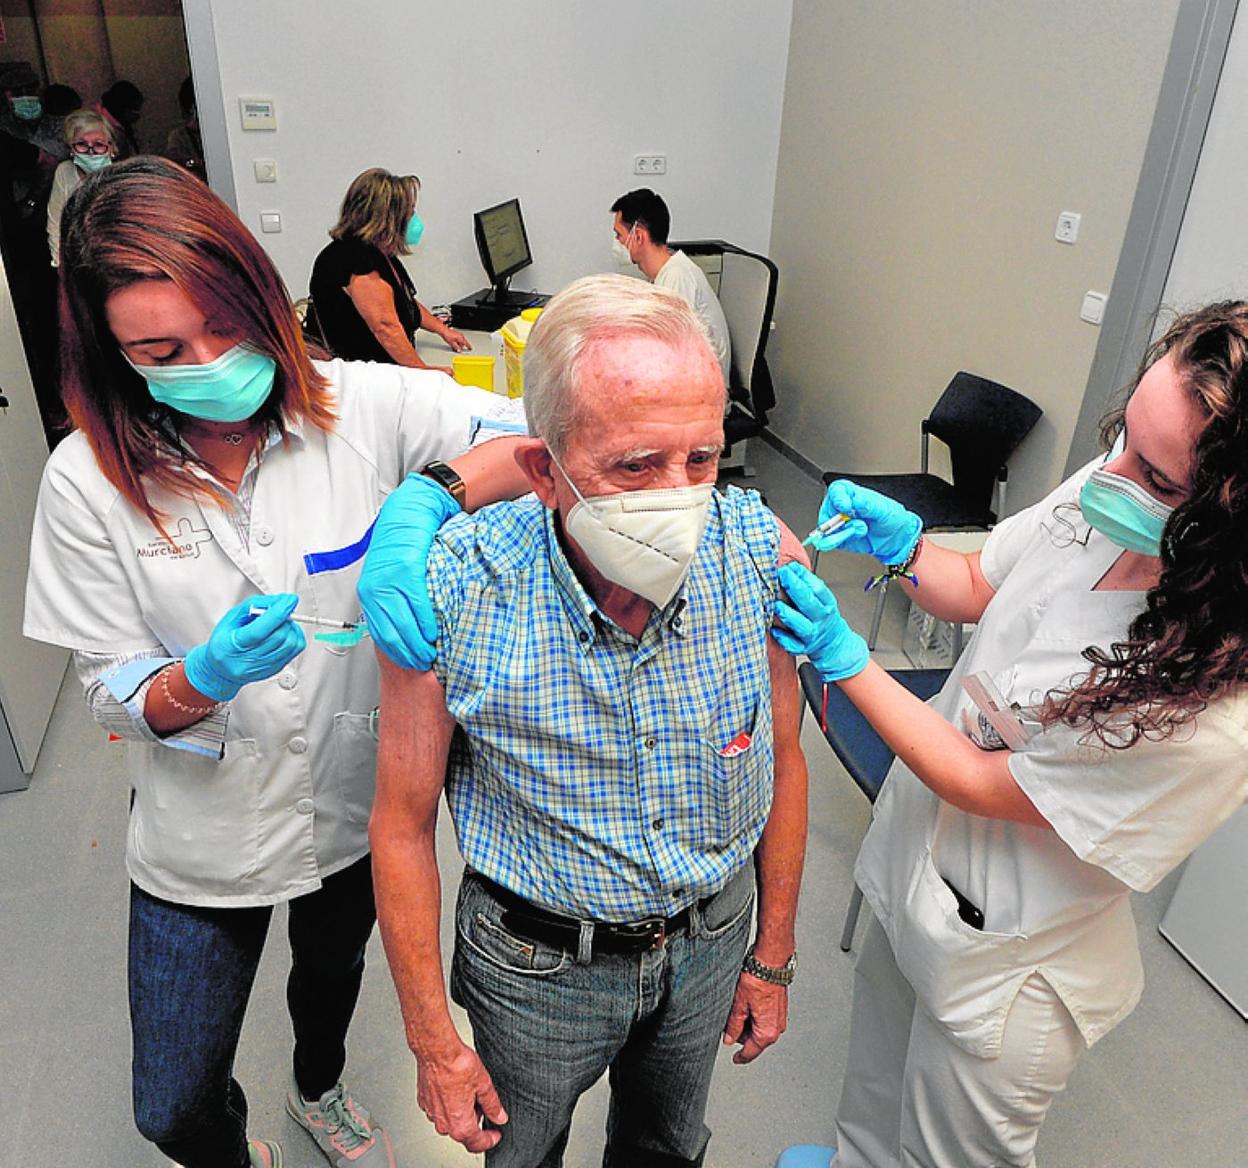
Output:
x,y
628,765
642,222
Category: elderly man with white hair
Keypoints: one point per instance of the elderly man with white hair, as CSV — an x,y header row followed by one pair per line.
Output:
x,y
628,772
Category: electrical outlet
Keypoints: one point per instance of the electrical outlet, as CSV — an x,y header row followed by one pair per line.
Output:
x,y
1067,227
650,164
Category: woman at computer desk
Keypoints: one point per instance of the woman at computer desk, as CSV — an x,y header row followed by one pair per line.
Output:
x,y
365,302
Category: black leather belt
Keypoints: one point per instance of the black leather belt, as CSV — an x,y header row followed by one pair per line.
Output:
x,y
534,923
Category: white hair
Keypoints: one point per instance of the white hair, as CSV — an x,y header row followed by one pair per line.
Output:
x,y
85,121
589,310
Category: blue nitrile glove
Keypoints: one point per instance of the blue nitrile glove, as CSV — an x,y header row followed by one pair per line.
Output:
x,y
818,629
878,526
245,648
392,583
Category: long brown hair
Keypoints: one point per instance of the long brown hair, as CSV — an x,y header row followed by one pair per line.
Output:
x,y
376,209
148,219
1190,644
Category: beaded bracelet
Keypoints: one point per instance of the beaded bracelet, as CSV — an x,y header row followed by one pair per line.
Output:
x,y
902,570
182,707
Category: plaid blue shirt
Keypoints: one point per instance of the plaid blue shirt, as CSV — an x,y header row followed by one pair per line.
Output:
x,y
591,776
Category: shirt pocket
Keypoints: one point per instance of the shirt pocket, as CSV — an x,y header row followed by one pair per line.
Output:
x,y
355,763
201,819
330,591
737,761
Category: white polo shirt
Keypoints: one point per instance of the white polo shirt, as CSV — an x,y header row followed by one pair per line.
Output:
x,y
682,276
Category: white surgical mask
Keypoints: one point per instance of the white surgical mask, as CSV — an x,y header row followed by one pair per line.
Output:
x,y
619,249
644,541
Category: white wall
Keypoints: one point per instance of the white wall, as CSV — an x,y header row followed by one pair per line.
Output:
x,y
1211,257
549,101
927,149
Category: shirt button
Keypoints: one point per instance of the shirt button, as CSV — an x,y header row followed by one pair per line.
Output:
x,y
287,679
264,536
657,825
304,806
582,636
651,743
297,745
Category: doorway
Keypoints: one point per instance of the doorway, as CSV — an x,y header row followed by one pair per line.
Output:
x,y
127,63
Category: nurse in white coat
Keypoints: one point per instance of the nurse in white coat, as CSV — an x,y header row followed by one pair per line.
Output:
x,y
215,470
1114,616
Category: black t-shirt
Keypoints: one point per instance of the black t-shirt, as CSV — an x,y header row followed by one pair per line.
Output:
x,y
345,331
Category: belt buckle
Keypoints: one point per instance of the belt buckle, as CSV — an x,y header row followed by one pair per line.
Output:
x,y
658,932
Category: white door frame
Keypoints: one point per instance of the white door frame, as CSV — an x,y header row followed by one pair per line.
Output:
x,y
1202,32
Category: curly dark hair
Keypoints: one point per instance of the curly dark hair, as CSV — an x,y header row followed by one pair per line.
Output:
x,y
1190,644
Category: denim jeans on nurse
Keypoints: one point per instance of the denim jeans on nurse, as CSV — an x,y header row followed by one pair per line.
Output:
x,y
547,1027
191,973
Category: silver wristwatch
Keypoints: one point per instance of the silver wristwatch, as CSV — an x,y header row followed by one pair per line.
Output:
x,y
776,975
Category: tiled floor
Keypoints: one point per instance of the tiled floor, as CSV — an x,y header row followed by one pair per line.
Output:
x,y
1168,1087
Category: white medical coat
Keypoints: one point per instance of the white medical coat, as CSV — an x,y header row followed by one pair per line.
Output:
x,y
1055,902
288,804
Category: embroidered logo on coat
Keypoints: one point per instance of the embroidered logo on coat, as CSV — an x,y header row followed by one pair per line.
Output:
x,y
185,546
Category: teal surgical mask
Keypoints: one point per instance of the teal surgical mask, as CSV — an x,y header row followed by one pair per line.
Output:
x,y
1124,512
91,162
415,230
229,389
27,109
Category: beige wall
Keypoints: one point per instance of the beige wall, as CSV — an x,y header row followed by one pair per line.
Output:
x,y
927,148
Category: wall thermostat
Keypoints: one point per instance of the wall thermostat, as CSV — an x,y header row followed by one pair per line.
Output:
x,y
258,113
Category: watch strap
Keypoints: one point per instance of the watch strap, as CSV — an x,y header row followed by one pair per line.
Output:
x,y
776,975
447,478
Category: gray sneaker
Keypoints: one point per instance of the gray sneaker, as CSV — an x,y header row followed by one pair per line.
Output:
x,y
342,1129
264,1154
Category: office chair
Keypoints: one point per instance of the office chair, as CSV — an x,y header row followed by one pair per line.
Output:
x,y
982,423
746,286
862,752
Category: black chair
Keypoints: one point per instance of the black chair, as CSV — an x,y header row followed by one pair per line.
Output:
x,y
982,423
746,286
862,752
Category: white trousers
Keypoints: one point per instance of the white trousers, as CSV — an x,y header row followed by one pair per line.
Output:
x,y
913,1098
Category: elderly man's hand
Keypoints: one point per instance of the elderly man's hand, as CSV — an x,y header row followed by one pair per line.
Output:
x,y
456,1092
759,1015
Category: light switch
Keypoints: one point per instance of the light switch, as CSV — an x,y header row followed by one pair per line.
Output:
x,y
1093,308
258,113
270,222
266,170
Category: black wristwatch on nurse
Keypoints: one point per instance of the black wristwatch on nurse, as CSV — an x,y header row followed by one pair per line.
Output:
x,y
446,478
774,974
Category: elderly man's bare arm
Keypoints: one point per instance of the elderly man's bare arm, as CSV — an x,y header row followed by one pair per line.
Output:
x,y
790,547
759,1012
453,1087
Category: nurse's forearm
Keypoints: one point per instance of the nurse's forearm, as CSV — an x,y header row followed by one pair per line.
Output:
x,y
946,760
491,473
951,585
173,703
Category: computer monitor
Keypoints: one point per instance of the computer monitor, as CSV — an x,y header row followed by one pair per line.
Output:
x,y
504,247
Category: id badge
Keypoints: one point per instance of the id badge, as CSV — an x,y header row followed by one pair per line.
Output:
x,y
1004,718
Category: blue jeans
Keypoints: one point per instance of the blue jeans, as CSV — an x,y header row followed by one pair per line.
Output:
x,y
191,972
547,1027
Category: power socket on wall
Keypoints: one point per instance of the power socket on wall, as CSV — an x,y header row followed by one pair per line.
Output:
x,y
650,164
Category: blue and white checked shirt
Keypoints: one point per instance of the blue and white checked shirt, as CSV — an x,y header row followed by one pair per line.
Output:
x,y
591,775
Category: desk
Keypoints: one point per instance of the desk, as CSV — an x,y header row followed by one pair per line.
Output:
x,y
436,351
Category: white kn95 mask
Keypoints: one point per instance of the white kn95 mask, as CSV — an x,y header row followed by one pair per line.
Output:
x,y
644,541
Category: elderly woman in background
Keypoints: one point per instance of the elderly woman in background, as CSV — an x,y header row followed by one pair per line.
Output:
x,y
91,148
364,299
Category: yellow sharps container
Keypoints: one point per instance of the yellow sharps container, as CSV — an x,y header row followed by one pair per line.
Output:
x,y
515,337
